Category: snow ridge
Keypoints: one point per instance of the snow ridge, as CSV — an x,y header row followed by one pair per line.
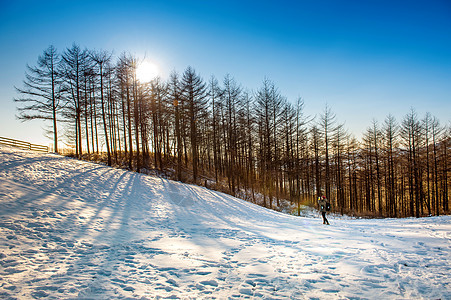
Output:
x,y
73,229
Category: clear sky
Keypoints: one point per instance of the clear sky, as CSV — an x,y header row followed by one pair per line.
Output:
x,y
365,59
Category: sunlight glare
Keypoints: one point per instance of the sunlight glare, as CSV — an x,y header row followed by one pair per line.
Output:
x,y
146,71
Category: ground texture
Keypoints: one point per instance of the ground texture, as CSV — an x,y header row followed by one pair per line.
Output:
x,y
71,229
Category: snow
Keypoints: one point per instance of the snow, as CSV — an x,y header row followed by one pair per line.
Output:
x,y
72,229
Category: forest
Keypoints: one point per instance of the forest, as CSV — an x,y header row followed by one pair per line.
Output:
x,y
256,145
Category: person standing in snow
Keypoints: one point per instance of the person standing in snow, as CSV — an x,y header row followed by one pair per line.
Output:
x,y
324,206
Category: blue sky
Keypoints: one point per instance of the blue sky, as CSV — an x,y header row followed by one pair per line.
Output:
x,y
365,59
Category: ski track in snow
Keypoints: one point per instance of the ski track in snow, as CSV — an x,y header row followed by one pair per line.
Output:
x,y
72,229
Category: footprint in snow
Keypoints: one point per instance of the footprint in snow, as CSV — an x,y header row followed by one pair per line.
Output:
x,y
247,292
213,283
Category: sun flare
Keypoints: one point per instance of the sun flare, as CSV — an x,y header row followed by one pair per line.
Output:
x,y
146,71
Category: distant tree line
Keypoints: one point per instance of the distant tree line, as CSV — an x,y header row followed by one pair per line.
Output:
x,y
254,145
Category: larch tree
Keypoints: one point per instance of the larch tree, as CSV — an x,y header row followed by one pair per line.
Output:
x,y
158,110
41,92
390,133
371,142
316,146
427,124
264,102
174,94
327,122
411,136
214,93
73,66
230,99
338,143
102,58
125,69
194,95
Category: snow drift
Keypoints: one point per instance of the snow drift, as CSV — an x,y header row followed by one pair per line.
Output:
x,y
72,229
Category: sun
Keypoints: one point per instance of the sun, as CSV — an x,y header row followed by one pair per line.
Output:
x,y
146,71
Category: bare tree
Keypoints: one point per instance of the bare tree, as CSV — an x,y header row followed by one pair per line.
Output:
x,y
158,107
175,93
126,70
267,104
73,66
338,142
102,58
230,99
371,142
214,93
411,135
42,90
194,94
327,122
390,132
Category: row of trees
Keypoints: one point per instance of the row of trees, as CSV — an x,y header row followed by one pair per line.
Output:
x,y
258,145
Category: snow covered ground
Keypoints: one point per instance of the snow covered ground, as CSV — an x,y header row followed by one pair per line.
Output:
x,y
72,229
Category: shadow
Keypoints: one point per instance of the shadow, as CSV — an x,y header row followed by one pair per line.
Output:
x,y
92,230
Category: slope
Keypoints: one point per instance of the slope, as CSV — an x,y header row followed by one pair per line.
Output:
x,y
72,229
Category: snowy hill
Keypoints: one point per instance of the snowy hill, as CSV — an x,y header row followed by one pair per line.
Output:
x,y
72,229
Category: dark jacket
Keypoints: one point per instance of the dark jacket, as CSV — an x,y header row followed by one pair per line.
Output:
x,y
322,204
